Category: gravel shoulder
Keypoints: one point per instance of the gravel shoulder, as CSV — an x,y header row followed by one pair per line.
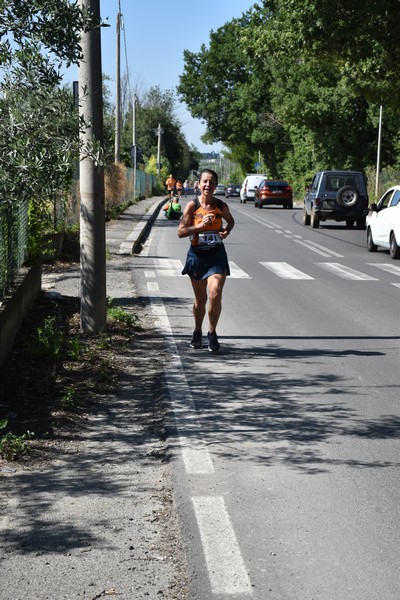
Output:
x,y
89,511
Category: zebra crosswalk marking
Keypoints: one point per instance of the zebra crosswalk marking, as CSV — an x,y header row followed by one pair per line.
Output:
x,y
285,271
165,267
394,269
237,272
168,267
346,272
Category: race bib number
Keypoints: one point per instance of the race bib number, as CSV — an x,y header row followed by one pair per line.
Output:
x,y
209,238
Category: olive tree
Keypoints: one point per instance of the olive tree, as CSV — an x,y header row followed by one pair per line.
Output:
x,y
39,132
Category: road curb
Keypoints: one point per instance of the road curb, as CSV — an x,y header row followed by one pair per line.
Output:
x,y
133,242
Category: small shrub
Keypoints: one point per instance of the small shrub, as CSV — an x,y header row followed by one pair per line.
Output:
x,y
119,314
75,348
50,340
12,446
67,399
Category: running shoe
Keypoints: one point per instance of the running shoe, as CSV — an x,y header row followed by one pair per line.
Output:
x,y
197,341
213,344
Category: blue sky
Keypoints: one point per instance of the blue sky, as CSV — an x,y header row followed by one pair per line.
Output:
x,y
157,32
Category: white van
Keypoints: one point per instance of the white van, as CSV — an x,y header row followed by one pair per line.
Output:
x,y
247,189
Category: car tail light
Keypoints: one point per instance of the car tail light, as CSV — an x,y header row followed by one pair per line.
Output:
x,y
318,202
288,188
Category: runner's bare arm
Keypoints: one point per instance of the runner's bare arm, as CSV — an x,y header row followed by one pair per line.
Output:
x,y
186,228
230,222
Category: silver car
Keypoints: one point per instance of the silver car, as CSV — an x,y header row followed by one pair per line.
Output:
x,y
220,190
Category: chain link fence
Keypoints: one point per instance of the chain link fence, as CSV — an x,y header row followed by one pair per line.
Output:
x,y
13,241
14,230
119,189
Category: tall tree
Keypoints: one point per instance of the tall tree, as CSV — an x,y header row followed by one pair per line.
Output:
x,y
159,107
297,81
221,87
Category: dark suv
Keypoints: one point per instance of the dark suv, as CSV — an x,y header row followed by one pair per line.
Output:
x,y
336,195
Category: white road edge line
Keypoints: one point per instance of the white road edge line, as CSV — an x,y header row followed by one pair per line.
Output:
x,y
196,457
226,569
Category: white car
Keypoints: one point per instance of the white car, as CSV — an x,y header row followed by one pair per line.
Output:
x,y
383,223
248,186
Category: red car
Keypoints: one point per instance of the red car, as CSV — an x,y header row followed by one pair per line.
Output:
x,y
271,191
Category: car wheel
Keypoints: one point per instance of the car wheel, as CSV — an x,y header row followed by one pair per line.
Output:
x,y
371,247
347,196
306,217
394,248
314,220
244,201
290,205
349,223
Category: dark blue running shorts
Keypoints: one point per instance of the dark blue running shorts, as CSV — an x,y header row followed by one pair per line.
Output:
x,y
200,265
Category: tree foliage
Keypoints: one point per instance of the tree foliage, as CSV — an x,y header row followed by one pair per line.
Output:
x,y
300,81
39,126
154,108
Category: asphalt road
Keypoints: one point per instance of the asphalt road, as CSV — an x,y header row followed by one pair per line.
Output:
x,y
286,443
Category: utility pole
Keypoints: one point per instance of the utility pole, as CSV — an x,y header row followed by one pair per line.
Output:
x,y
92,216
117,156
134,143
159,132
378,156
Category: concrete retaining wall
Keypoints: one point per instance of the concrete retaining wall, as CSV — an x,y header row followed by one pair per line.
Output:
x,y
26,289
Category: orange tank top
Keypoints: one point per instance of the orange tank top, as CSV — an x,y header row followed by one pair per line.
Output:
x,y
210,234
